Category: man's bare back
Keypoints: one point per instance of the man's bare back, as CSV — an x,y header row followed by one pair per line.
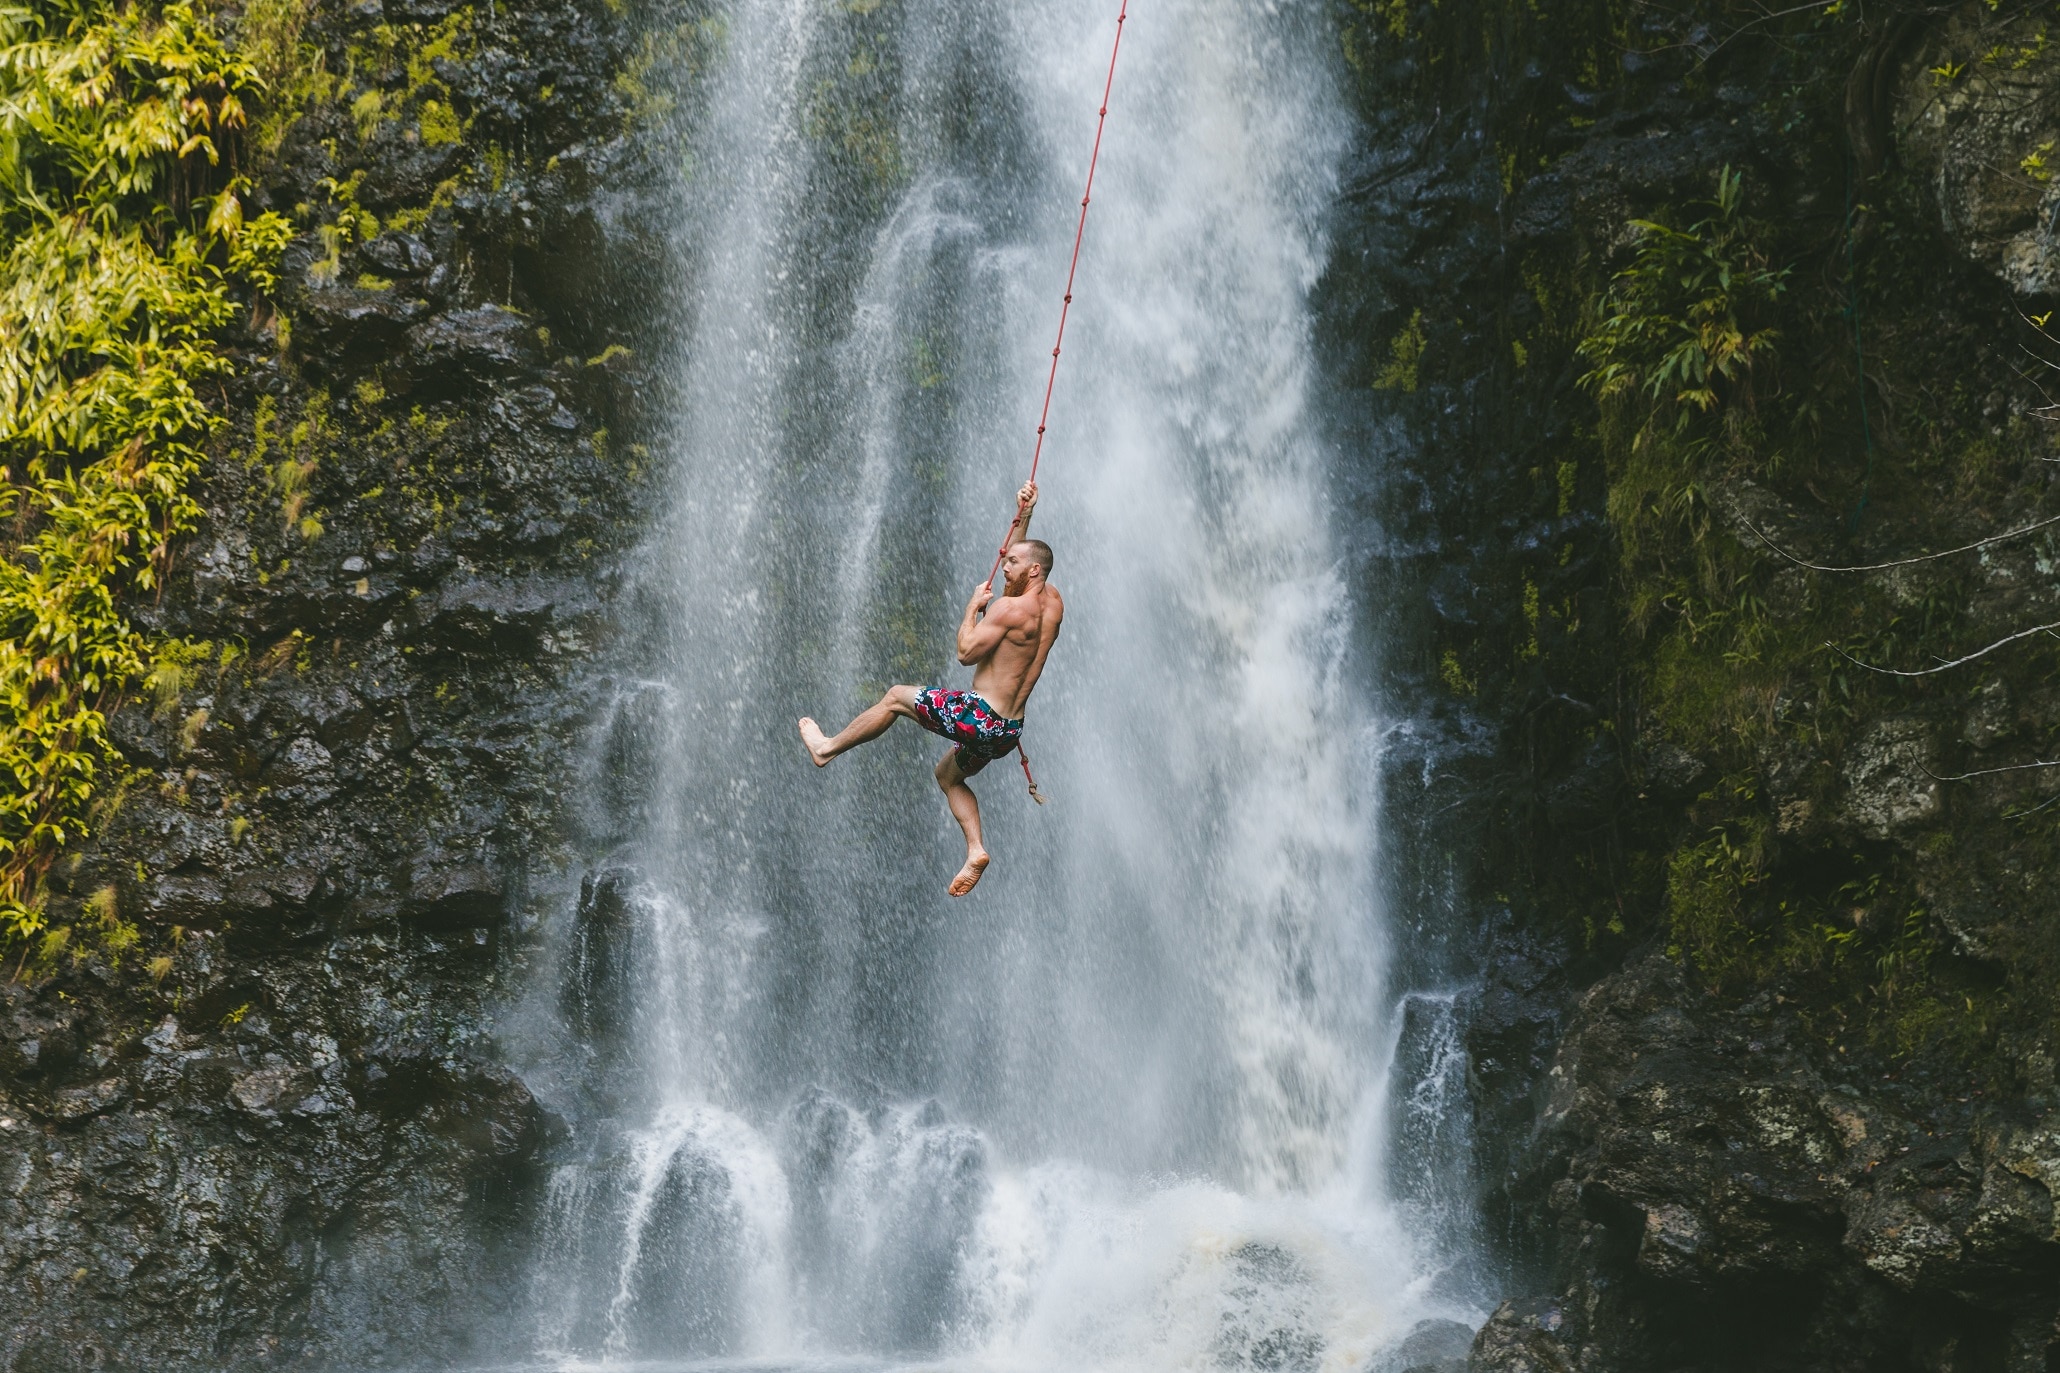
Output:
x,y
1005,640
1025,624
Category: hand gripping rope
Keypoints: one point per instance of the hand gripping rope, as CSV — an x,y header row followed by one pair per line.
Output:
x,y
1065,308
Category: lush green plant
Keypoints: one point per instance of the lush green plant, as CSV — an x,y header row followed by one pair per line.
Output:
x,y
1682,320
121,223
1725,649
1677,334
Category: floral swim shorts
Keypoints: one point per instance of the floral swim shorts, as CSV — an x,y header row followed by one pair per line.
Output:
x,y
981,733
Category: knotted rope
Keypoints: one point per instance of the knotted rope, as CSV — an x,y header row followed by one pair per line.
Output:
x,y
1065,308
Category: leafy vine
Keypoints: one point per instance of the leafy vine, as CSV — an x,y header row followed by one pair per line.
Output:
x,y
122,229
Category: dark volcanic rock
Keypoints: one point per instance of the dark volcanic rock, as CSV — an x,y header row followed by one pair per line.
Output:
x,y
467,347
352,327
1432,1347
1696,1160
1791,1162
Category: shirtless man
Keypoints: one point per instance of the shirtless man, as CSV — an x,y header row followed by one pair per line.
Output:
x,y
1006,648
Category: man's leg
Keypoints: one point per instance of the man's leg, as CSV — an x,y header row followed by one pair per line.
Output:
x,y
870,724
965,808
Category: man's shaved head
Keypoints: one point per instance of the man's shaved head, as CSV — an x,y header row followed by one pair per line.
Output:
x,y
1040,553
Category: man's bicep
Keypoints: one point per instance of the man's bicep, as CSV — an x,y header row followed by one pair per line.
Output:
x,y
980,642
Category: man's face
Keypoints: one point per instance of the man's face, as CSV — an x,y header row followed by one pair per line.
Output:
x,y
1016,567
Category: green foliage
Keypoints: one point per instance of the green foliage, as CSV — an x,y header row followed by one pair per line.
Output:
x,y
405,56
1684,319
1679,333
121,129
1405,357
1710,887
294,72
254,254
1727,392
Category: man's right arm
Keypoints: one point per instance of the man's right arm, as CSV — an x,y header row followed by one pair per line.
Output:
x,y
977,637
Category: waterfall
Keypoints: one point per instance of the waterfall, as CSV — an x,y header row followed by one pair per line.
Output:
x,y
1126,1105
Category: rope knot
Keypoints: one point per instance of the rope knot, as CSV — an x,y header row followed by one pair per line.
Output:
x,y
1023,760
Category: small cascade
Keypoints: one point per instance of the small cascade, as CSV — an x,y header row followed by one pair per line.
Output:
x,y
886,1201
676,1244
1430,1126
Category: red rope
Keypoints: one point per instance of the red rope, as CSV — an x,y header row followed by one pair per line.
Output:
x,y
1065,308
1072,270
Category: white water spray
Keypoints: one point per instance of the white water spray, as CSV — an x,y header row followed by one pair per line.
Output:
x,y
1119,1109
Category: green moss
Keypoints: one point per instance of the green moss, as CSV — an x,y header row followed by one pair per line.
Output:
x,y
1405,357
853,110
926,367
867,140
439,123
367,112
1454,676
1532,612
667,62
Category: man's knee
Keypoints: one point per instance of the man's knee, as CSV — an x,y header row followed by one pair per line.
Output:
x,y
901,700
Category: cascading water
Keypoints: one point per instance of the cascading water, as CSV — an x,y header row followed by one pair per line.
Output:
x,y
1124,1106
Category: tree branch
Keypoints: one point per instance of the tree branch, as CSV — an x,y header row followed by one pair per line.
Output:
x,y
2019,815
1989,772
1942,667
1900,562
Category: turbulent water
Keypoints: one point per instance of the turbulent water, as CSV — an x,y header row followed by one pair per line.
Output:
x,y
1129,1105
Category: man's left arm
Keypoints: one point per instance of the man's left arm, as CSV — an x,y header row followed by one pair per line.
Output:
x,y
1026,506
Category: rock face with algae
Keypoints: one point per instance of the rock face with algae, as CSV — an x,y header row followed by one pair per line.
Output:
x,y
295,1142
1759,942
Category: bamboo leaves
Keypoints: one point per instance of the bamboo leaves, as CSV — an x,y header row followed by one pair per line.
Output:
x,y
1677,324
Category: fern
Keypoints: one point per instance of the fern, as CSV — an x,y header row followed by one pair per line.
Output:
x,y
121,227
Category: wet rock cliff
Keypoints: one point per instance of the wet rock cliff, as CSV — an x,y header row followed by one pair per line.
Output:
x,y
289,1141
1762,1053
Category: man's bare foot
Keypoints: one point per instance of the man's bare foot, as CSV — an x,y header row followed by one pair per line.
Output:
x,y
969,875
813,736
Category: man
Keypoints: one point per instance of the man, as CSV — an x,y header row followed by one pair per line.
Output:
x,y
1006,647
